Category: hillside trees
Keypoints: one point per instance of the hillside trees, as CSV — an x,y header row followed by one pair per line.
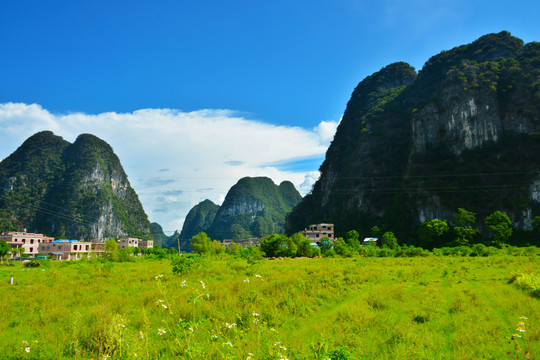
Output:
x,y
499,226
275,245
464,230
111,250
431,233
389,240
202,244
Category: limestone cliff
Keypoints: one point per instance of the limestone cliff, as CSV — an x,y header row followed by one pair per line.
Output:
x,y
463,132
85,195
253,207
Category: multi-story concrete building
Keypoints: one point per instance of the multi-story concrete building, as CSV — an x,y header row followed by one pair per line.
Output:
x,y
29,241
66,249
125,242
316,232
134,242
145,244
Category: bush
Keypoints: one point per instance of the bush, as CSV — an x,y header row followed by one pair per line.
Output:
x,y
186,263
528,282
410,251
369,250
479,250
329,253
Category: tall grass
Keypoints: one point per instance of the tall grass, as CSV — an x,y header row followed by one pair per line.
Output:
x,y
341,308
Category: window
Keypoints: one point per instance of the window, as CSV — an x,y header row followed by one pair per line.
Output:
x,y
24,241
31,241
74,247
31,249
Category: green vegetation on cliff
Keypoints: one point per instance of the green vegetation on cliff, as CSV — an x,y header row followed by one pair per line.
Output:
x,y
77,190
253,207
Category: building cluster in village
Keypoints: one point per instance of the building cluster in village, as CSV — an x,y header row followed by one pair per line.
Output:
x,y
314,233
38,245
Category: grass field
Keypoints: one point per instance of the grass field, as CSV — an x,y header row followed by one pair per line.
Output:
x,y
435,307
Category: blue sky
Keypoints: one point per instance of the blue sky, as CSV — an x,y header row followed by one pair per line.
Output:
x,y
107,67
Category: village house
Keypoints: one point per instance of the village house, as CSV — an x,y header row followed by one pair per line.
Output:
x,y
63,249
30,242
134,242
315,232
127,242
146,244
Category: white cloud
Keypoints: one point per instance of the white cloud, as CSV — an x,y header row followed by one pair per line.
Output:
x,y
204,149
326,131
309,179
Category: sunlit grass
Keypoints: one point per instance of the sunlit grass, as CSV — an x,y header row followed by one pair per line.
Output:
x,y
358,308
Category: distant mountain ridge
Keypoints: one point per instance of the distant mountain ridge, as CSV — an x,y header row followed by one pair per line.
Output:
x,y
463,132
253,207
77,190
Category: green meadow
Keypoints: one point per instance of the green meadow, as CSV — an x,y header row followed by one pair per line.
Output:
x,y
432,307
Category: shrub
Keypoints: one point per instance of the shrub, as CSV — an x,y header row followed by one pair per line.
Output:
x,y
528,282
186,263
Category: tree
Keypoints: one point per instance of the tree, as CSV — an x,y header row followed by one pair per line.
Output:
x,y
234,249
325,245
463,227
124,254
389,241
375,231
111,250
5,248
304,247
202,244
431,231
500,227
352,239
272,244
218,247
342,248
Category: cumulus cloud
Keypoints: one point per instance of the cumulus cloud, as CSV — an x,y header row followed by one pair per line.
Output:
x,y
309,180
326,131
170,155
